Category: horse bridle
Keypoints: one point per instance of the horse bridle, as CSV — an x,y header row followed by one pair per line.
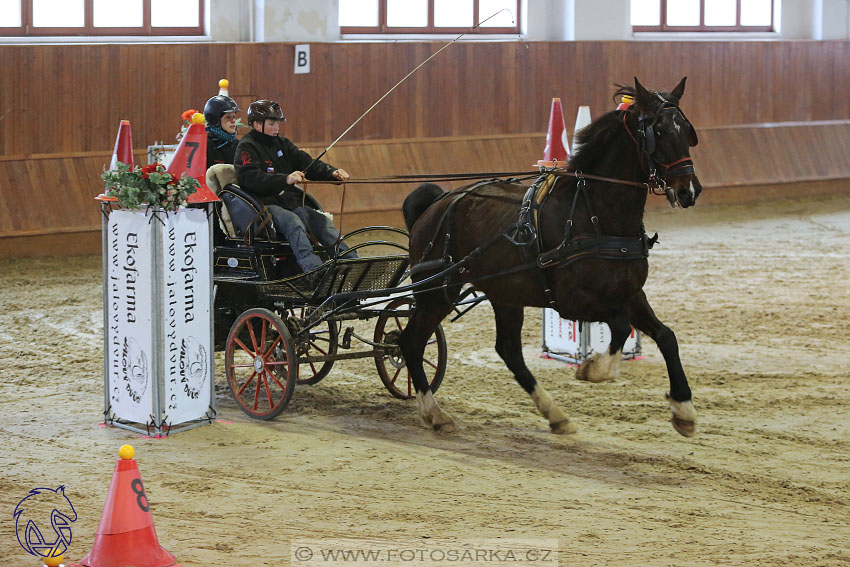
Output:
x,y
645,143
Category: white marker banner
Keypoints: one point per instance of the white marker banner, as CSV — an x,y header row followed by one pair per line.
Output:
x,y
130,372
560,335
186,315
563,337
600,339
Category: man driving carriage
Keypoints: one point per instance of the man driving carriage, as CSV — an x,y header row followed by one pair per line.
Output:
x,y
268,166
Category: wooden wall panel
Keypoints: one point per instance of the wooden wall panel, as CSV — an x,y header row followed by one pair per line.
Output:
x,y
58,191
69,98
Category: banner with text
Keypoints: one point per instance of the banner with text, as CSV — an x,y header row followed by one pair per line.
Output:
x,y
130,371
186,315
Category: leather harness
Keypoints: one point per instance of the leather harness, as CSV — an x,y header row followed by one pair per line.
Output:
x,y
524,233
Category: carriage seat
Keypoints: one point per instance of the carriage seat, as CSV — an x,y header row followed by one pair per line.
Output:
x,y
240,214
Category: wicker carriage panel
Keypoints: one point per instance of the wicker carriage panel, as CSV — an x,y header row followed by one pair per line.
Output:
x,y
360,274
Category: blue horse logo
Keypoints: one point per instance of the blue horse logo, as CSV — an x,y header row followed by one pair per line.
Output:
x,y
34,509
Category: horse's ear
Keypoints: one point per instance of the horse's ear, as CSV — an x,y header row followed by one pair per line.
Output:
x,y
642,96
680,89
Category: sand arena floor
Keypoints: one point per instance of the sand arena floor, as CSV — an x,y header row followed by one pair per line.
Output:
x,y
758,296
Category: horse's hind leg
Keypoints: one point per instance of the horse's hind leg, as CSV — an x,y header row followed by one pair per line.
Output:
x,y
604,366
430,309
509,321
684,414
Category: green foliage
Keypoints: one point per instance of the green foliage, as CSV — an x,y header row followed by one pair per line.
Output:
x,y
149,185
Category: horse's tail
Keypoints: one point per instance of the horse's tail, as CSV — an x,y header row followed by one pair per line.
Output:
x,y
419,199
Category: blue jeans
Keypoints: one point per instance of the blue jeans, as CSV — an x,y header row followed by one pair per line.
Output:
x,y
293,225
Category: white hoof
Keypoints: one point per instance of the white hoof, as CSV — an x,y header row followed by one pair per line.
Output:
x,y
600,367
563,427
558,420
684,416
431,414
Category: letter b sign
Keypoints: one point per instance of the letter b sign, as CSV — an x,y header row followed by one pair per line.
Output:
x,y
302,59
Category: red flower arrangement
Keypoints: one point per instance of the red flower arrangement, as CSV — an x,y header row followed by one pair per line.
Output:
x,y
151,185
187,115
187,121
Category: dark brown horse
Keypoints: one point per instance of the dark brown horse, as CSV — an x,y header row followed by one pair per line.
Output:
x,y
585,256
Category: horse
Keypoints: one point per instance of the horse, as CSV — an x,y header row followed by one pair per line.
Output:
x,y
585,256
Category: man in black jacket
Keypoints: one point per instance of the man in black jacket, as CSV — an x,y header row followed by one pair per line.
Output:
x,y
220,114
269,166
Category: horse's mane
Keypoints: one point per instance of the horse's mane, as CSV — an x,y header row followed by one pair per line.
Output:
x,y
593,141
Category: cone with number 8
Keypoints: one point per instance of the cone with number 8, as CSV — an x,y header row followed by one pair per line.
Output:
x,y
126,535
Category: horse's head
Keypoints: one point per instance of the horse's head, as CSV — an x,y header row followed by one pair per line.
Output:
x,y
665,136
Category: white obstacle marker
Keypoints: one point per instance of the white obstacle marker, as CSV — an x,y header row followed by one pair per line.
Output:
x,y
158,360
575,342
572,341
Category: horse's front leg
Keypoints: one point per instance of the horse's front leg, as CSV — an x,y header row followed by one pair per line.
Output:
x,y
509,321
679,397
604,366
429,312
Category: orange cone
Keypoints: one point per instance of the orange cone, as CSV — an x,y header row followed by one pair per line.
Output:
x,y
191,158
126,535
123,151
556,152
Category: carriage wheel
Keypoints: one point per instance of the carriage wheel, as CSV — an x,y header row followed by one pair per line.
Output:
x,y
260,363
391,366
321,340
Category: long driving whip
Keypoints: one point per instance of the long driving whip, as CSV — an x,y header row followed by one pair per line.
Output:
x,y
473,28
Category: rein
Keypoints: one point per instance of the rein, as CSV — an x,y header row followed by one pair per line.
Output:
x,y
481,176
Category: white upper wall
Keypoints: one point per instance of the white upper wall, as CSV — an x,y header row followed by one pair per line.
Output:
x,y
543,20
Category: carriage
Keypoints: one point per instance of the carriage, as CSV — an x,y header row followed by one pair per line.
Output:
x,y
280,327
581,249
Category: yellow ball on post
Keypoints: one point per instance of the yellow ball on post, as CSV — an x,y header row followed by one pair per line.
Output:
x,y
224,83
198,118
52,561
126,452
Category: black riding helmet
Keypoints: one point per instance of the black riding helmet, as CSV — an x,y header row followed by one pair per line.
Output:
x,y
260,110
217,106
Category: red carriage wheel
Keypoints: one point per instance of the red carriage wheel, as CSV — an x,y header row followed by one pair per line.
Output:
x,y
260,363
319,341
391,367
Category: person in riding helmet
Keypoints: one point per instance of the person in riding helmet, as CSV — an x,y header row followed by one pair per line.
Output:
x,y
268,166
220,113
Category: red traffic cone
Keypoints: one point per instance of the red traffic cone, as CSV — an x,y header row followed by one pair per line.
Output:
x,y
123,151
191,158
556,151
126,535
